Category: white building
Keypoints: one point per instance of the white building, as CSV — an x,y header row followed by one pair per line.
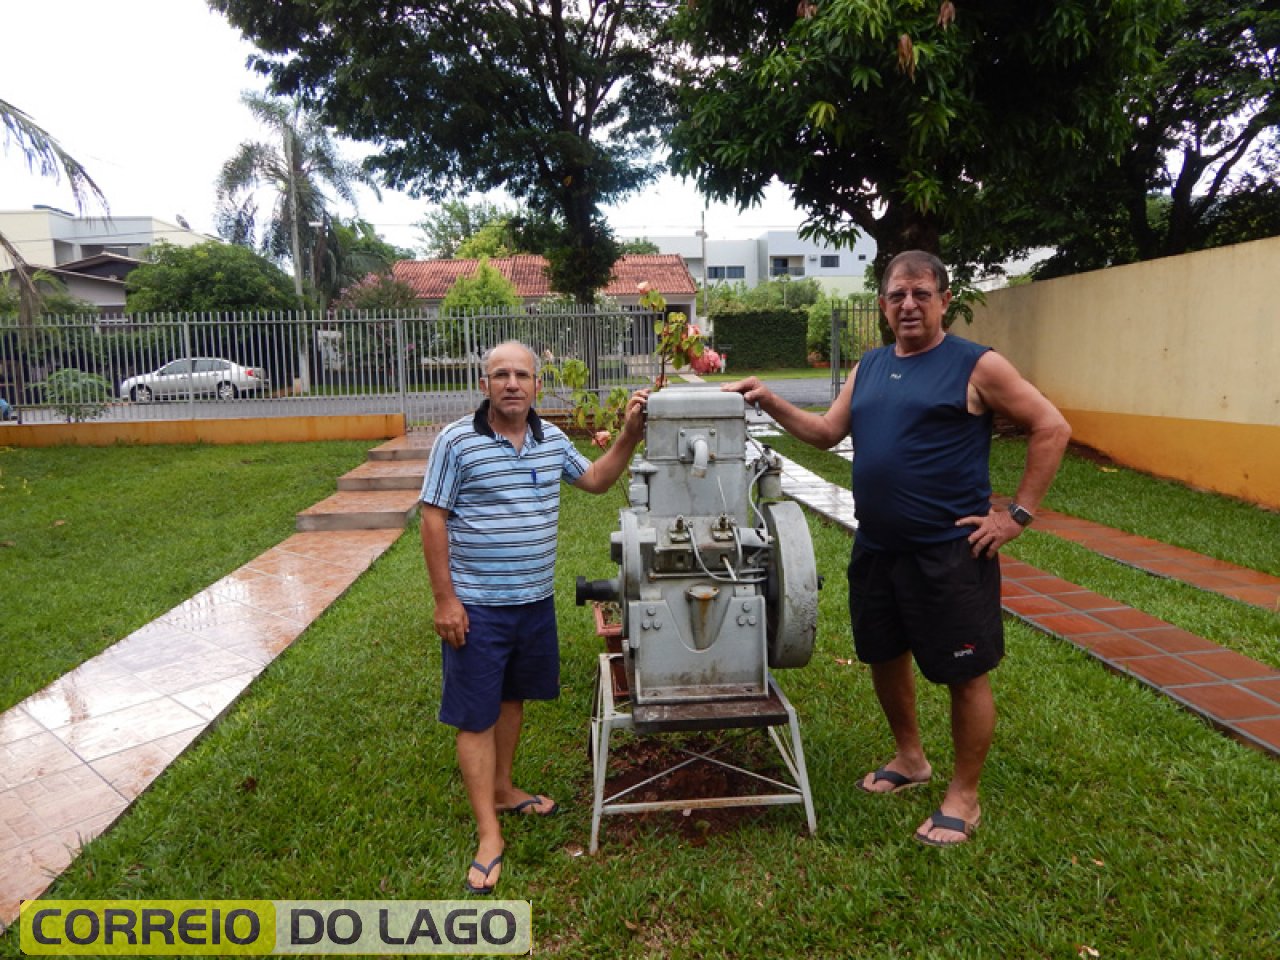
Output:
x,y
91,255
47,237
777,253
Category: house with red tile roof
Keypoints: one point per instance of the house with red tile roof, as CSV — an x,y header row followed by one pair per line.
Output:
x,y
666,273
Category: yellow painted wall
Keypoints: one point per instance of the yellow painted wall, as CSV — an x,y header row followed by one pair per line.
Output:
x,y
248,430
1170,366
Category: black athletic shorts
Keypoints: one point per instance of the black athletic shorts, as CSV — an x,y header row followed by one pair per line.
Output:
x,y
939,602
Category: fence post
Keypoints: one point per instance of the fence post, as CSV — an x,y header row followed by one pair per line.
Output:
x,y
402,367
836,340
186,350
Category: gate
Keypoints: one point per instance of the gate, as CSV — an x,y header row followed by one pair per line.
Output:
x,y
855,329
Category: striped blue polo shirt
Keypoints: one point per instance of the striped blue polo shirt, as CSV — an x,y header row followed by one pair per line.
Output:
x,y
504,506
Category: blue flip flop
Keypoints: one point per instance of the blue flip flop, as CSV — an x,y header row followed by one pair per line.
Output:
x,y
945,822
482,891
520,808
899,781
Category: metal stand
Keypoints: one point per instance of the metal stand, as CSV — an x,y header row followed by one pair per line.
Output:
x,y
770,713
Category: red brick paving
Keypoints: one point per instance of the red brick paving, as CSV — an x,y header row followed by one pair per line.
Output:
x,y
1235,693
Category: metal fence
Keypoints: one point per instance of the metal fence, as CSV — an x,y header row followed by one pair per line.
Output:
x,y
855,329
423,364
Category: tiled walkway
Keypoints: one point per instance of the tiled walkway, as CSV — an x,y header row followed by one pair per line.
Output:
x,y
74,755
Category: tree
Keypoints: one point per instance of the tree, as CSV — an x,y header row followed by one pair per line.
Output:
x,y
454,222
907,121
54,299
496,239
210,277
296,168
642,246
42,152
347,252
486,289
378,292
1203,149
556,103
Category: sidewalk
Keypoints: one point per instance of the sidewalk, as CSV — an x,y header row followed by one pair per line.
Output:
x,y
76,754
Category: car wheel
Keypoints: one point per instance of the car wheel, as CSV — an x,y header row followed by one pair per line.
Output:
x,y
227,391
140,394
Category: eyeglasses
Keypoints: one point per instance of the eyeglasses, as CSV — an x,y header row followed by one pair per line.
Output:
x,y
520,376
921,296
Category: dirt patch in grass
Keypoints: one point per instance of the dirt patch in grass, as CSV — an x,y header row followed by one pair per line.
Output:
x,y
635,760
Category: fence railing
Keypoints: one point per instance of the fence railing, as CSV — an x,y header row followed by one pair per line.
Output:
x,y
423,364
855,329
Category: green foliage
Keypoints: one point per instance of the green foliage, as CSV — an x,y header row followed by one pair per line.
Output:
x,y
642,246
492,240
76,395
580,259
860,329
378,292
888,119
297,165
487,289
349,251
55,301
554,103
586,410
208,277
446,228
780,293
763,339
1200,162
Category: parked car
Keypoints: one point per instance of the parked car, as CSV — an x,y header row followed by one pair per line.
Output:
x,y
199,376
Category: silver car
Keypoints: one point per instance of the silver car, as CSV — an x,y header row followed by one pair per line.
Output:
x,y
196,376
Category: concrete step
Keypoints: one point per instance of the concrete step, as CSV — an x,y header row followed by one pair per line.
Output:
x,y
361,510
384,475
414,445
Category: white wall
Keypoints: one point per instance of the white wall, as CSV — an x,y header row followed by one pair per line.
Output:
x,y
50,238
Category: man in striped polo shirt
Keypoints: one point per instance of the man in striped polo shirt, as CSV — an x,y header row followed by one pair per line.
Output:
x,y
490,510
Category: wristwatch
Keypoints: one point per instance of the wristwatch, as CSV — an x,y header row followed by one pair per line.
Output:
x,y
1022,515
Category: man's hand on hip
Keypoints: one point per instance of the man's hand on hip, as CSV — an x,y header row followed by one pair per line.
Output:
x,y
991,532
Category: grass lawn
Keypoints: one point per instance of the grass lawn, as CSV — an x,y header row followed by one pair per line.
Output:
x,y
1113,820
97,541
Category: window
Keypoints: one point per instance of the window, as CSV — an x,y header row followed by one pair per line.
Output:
x,y
830,260
726,273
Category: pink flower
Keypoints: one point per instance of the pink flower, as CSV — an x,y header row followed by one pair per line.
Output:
x,y
708,362
644,286
601,439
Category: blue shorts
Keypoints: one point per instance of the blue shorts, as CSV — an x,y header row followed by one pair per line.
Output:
x,y
511,653
940,603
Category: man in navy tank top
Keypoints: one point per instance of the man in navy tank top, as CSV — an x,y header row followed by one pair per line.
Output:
x,y
924,574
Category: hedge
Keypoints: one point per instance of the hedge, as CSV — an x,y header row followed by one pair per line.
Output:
x,y
762,339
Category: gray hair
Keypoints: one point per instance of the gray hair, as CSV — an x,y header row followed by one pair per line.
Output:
x,y
488,355
916,262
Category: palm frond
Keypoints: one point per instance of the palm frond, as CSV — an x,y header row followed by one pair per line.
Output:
x,y
44,154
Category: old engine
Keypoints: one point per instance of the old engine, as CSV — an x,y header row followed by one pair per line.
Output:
x,y
717,582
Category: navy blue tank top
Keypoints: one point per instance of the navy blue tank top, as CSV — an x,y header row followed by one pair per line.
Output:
x,y
920,458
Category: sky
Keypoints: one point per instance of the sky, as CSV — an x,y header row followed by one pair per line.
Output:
x,y
146,95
